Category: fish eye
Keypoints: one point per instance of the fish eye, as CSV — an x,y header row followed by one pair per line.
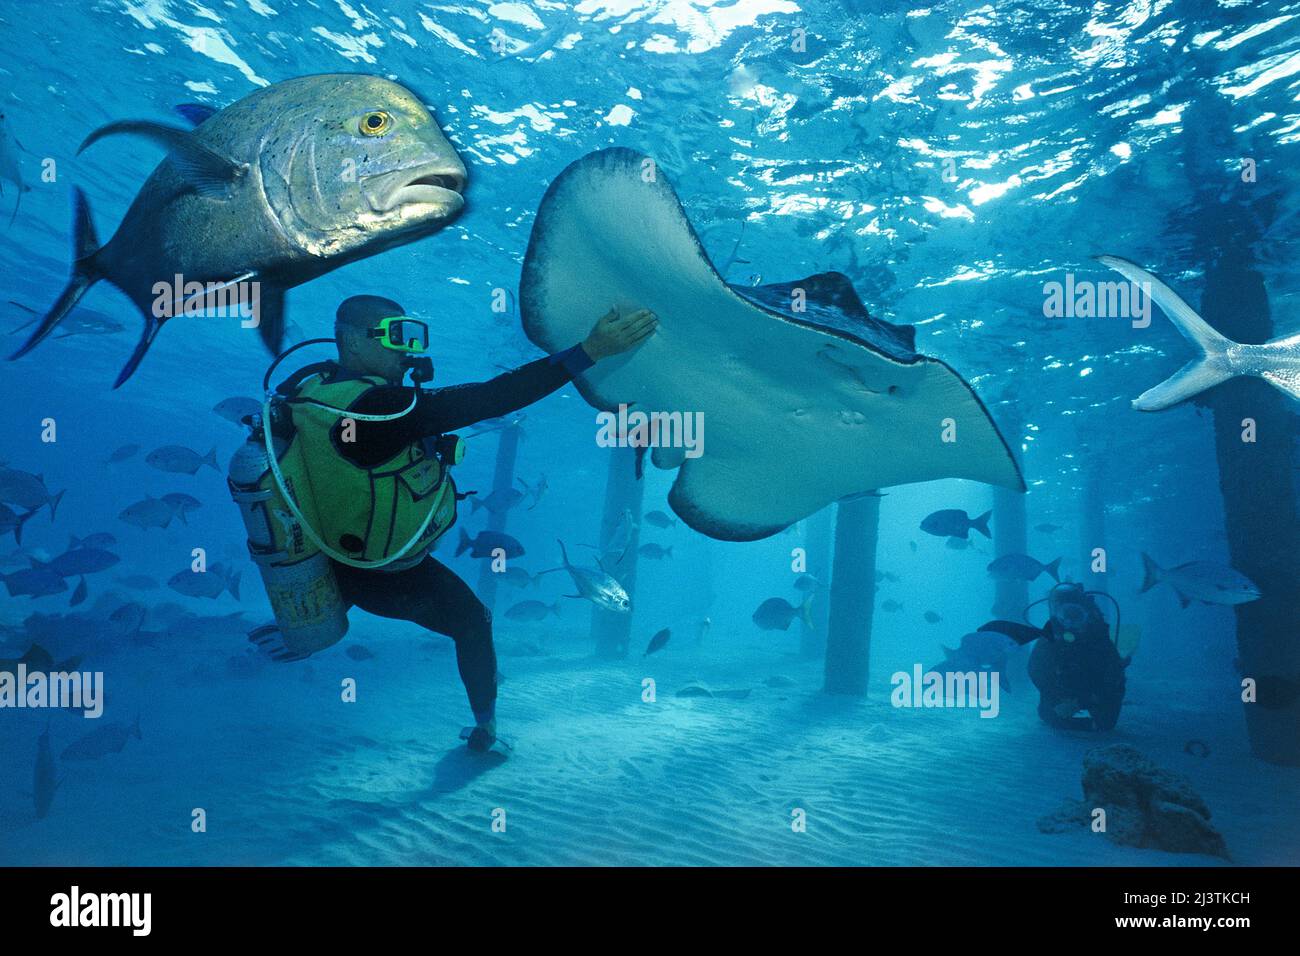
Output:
x,y
376,123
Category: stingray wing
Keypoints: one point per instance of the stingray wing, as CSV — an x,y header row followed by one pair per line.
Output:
x,y
800,407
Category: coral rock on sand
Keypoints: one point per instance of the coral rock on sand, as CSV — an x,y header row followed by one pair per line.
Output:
x,y
1146,806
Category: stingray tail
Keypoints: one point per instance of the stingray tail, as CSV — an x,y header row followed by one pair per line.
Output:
x,y
85,273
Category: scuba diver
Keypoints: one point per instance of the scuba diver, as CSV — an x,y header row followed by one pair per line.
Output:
x,y
1075,664
375,455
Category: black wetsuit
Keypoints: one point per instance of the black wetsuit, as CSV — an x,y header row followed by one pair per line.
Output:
x,y
1086,672
1082,673
430,594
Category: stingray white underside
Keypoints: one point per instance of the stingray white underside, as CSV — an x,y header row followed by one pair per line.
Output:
x,y
795,416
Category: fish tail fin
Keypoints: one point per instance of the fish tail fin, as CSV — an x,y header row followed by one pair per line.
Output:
x,y
73,542
1212,367
805,613
981,524
464,544
1150,573
555,608
54,502
474,506
232,585
210,459
563,553
151,327
18,201
1054,569
668,551
85,273
948,652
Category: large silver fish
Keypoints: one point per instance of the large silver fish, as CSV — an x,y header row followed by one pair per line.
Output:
x,y
278,188
1202,581
1219,359
596,586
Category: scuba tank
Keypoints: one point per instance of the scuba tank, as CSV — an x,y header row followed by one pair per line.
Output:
x,y
309,611
270,482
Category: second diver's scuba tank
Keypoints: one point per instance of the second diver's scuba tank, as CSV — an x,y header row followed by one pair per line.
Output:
x,y
270,482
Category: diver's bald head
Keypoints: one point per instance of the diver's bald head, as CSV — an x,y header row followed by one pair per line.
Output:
x,y
358,351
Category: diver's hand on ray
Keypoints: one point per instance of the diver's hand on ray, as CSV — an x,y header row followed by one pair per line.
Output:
x,y
615,333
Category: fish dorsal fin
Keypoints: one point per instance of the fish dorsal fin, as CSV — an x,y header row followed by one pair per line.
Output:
x,y
196,114
211,174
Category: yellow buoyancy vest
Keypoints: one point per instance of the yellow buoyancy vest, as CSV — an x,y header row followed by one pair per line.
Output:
x,y
369,516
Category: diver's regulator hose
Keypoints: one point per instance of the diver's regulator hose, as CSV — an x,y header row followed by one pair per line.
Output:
x,y
274,462
1115,604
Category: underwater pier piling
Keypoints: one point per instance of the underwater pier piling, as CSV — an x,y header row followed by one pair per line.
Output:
x,y
818,542
852,596
1259,505
610,630
503,479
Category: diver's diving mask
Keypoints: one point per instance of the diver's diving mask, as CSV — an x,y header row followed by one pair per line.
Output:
x,y
1068,605
401,333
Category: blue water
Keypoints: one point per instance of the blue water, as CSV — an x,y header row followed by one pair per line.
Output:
x,y
949,159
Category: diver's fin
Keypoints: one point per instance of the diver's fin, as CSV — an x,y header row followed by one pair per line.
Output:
x,y
1211,368
211,174
85,273
1020,633
151,327
196,114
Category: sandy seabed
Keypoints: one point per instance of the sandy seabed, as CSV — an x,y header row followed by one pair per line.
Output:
x,y
288,774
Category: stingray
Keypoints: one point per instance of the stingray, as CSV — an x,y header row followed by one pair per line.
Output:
x,y
805,398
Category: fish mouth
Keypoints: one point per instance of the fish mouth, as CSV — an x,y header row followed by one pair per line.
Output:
x,y
424,191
